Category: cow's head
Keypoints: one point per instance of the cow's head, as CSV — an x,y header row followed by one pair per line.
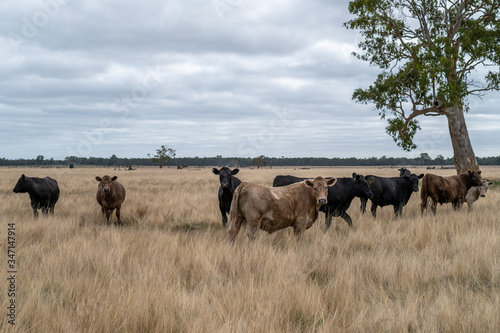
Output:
x,y
413,180
361,188
404,172
105,182
320,188
22,185
484,187
225,175
475,177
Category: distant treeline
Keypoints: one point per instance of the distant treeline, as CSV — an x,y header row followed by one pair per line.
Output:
x,y
243,161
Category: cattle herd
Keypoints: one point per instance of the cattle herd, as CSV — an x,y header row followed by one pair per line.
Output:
x,y
292,201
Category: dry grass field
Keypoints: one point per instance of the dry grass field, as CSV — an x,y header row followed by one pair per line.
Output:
x,y
170,267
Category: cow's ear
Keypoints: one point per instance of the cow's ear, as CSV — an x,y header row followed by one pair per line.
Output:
x,y
358,177
216,171
354,175
235,171
98,178
479,172
308,183
490,183
114,178
23,176
421,176
331,181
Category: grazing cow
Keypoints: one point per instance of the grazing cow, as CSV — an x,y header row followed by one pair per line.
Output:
x,y
44,193
447,189
275,208
395,191
339,197
228,184
110,195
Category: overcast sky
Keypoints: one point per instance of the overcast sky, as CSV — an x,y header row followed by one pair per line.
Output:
x,y
206,77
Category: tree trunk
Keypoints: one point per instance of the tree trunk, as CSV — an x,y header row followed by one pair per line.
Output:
x,y
464,156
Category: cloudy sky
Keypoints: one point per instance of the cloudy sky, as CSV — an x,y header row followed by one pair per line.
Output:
x,y
206,77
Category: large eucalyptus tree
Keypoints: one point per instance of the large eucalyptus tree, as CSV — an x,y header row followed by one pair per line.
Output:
x,y
429,52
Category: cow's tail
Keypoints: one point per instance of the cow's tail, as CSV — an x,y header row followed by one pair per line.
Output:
x,y
424,195
235,216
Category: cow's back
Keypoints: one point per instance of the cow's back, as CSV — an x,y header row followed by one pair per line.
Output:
x,y
443,189
286,180
276,207
46,189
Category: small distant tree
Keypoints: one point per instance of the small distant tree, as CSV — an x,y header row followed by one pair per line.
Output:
x,y
39,160
163,155
439,159
424,157
113,160
259,161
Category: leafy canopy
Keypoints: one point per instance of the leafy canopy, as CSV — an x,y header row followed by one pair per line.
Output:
x,y
428,51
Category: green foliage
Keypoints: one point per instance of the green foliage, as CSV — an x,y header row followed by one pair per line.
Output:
x,y
163,155
426,50
259,161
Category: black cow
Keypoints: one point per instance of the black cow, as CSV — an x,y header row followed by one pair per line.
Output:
x,y
44,193
395,191
339,197
228,184
404,172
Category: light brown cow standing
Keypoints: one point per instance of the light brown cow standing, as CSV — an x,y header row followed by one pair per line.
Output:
x,y
110,195
447,189
275,208
475,192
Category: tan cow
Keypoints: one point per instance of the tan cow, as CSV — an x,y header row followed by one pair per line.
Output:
x,y
275,208
447,189
110,195
475,192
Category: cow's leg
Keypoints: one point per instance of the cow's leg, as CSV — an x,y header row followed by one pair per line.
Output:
x,y
234,228
253,229
470,203
433,206
223,210
455,204
398,209
374,210
108,214
363,205
35,211
298,231
346,218
52,208
118,214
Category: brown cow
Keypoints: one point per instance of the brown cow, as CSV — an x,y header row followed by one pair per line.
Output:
x,y
110,195
475,192
275,208
447,189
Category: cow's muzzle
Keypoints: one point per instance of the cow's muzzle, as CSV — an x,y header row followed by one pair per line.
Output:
x,y
322,201
106,189
483,195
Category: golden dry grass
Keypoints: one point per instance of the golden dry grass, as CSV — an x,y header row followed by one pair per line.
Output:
x,y
170,267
